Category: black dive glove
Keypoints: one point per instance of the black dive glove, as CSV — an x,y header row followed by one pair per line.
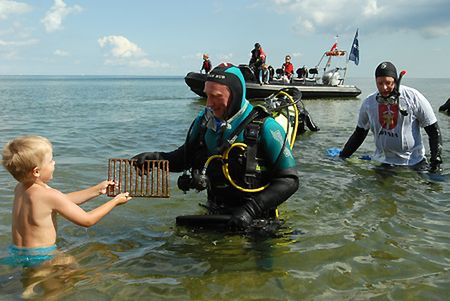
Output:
x,y
244,215
435,166
142,157
279,190
294,92
310,123
445,107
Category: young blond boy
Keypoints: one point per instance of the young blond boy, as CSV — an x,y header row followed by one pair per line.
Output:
x,y
29,159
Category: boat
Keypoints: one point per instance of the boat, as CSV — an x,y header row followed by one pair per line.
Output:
x,y
317,82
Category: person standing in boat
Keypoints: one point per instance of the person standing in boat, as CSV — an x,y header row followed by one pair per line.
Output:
x,y
288,69
269,163
257,59
395,115
206,64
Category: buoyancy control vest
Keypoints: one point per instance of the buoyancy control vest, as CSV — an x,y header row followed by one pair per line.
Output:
x,y
235,169
241,167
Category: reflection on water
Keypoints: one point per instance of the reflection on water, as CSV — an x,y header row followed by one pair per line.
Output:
x,y
350,232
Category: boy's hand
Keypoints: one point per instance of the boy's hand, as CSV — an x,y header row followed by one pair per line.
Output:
x,y
122,198
102,187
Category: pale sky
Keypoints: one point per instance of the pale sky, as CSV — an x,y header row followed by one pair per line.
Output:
x,y
139,37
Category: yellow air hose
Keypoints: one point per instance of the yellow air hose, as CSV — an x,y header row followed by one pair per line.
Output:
x,y
226,172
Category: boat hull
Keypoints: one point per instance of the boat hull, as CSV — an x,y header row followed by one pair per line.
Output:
x,y
196,81
255,90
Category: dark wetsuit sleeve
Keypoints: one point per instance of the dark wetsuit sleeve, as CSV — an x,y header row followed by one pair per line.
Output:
x,y
281,187
354,142
284,179
435,140
176,159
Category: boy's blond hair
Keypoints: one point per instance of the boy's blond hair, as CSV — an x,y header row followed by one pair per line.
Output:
x,y
22,154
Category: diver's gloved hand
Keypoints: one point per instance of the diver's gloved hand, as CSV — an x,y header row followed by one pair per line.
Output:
x,y
244,215
435,166
142,157
342,156
445,106
294,92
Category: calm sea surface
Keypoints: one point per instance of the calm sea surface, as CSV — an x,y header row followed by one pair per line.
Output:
x,y
350,233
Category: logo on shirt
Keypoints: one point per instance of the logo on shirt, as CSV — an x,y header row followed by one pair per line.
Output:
x,y
388,115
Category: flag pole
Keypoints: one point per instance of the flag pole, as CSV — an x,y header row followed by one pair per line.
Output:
x,y
355,41
335,46
345,71
346,64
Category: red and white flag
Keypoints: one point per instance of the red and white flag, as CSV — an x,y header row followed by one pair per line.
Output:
x,y
334,46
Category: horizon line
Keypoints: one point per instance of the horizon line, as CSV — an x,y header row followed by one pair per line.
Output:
x,y
154,76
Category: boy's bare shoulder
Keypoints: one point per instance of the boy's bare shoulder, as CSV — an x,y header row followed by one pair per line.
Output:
x,y
44,193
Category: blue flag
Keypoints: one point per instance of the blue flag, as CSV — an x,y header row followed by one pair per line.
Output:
x,y
354,52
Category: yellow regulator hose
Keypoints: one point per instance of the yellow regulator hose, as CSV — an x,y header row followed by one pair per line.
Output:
x,y
226,172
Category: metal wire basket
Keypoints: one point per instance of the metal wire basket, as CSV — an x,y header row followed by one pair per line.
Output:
x,y
149,180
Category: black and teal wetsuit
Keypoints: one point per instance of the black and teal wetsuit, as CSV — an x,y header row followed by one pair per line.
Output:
x,y
275,162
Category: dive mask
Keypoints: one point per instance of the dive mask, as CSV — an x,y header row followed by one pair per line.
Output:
x,y
212,122
394,98
390,100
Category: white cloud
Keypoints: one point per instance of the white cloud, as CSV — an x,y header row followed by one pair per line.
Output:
x,y
225,57
19,43
16,30
195,56
121,51
10,49
54,17
215,58
427,17
434,31
59,52
12,7
121,47
9,55
371,8
146,63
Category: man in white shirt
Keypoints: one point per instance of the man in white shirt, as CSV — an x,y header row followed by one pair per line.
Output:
x,y
395,115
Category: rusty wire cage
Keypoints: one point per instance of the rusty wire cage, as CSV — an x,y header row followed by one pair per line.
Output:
x,y
150,180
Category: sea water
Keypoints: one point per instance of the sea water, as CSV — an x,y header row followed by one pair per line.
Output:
x,y
350,232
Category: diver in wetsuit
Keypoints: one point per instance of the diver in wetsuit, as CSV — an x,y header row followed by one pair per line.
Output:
x,y
262,177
